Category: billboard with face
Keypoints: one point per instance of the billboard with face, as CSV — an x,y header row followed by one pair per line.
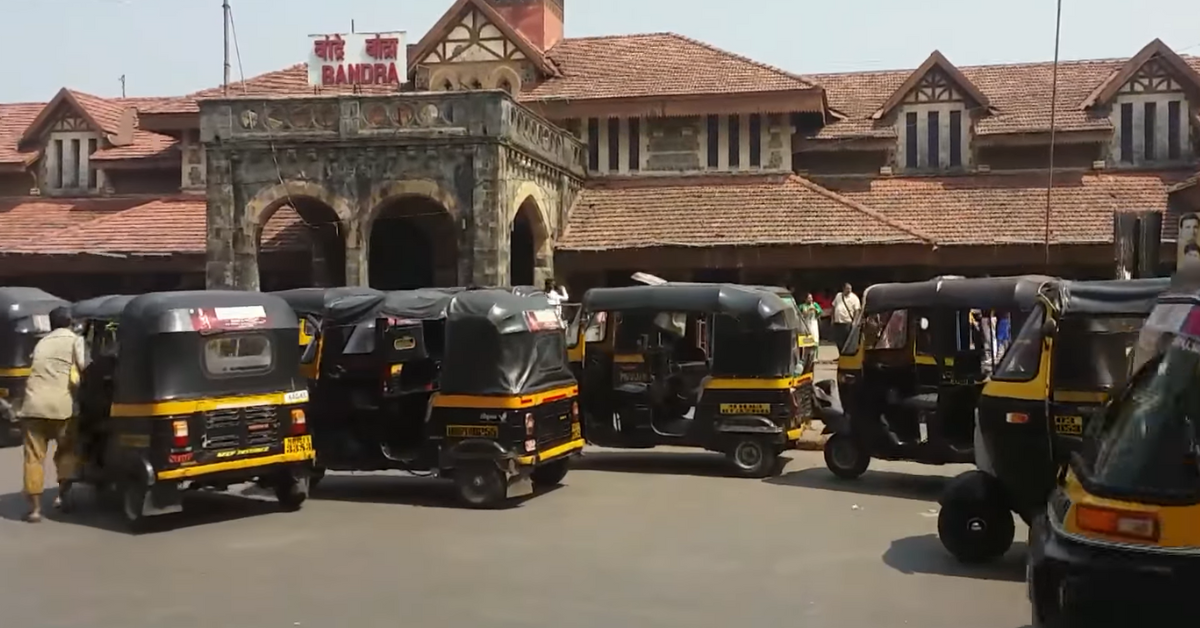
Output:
x,y
1188,242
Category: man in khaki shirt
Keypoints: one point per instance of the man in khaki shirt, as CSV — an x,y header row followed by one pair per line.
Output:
x,y
49,409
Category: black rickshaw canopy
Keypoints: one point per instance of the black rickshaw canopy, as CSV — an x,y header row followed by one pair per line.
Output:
x,y
745,303
104,308
165,338
422,304
344,305
20,302
959,293
1112,297
501,343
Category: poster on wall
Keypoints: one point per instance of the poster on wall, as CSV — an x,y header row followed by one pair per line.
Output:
x,y
1187,246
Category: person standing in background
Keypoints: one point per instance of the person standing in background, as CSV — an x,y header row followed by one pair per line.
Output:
x,y
810,315
845,308
49,409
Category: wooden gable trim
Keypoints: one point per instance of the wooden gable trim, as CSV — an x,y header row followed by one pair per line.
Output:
x,y
455,14
939,61
1107,90
46,116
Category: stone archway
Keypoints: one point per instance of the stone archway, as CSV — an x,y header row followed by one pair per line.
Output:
x,y
303,228
412,237
531,255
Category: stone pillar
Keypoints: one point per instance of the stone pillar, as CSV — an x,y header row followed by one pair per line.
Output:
x,y
357,268
245,239
485,240
219,217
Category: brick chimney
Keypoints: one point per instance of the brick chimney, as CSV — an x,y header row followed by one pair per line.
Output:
x,y
540,21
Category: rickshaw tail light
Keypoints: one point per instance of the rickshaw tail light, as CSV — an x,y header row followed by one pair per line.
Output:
x,y
575,410
530,445
1018,418
529,423
299,421
180,429
1131,525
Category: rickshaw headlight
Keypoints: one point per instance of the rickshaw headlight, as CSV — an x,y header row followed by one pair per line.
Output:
x,y
529,423
299,421
1109,521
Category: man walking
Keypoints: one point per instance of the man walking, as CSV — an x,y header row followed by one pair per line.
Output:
x,y
845,308
48,411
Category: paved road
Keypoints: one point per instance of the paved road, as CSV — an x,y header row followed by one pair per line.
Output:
x,y
633,539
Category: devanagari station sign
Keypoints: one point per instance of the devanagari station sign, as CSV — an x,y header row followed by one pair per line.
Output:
x,y
357,59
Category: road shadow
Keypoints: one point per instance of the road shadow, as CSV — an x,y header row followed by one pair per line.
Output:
x,y
879,483
925,555
697,463
88,510
401,490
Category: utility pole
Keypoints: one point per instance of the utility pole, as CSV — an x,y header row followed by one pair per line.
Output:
x,y
122,79
225,11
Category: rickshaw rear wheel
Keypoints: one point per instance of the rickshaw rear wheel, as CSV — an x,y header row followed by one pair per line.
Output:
x,y
846,457
975,531
133,502
754,457
480,485
551,473
291,492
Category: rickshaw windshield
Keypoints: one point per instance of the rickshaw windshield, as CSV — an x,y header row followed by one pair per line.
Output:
x,y
1022,360
1093,353
1146,444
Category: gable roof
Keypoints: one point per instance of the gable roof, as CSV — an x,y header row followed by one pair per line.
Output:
x,y
98,114
722,210
14,119
654,64
1111,85
938,61
454,15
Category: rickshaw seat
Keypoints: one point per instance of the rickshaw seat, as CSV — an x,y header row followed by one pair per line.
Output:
x,y
924,402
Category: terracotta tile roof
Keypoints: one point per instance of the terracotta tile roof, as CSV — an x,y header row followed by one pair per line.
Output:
x,y
14,119
721,210
120,226
290,81
657,64
1019,94
145,145
1003,208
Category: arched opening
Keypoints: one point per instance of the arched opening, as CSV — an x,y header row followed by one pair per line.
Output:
x,y
301,244
527,261
414,244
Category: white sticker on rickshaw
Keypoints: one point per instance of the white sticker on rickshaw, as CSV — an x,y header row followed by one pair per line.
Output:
x,y
296,396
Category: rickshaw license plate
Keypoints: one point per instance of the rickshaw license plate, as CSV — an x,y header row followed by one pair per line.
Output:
x,y
472,431
1072,425
297,445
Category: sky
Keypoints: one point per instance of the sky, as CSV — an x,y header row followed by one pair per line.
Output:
x,y
171,47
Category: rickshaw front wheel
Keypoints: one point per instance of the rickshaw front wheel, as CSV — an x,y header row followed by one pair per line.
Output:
x,y
551,473
754,457
480,485
846,457
975,531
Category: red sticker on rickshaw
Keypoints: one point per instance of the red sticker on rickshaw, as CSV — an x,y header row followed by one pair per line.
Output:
x,y
228,318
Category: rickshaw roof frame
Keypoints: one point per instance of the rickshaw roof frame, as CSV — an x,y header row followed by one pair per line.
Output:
x,y
711,298
957,293
21,301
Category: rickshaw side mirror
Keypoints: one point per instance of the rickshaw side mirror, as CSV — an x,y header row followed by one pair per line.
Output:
x,y
1049,328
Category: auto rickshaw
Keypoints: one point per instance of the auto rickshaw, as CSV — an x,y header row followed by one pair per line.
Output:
x,y
191,390
1071,353
471,385
1118,541
912,368
24,319
711,366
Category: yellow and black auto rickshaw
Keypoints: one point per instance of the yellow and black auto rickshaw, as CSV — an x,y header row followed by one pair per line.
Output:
x,y
472,385
1071,353
1118,543
190,390
712,366
912,368
24,319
